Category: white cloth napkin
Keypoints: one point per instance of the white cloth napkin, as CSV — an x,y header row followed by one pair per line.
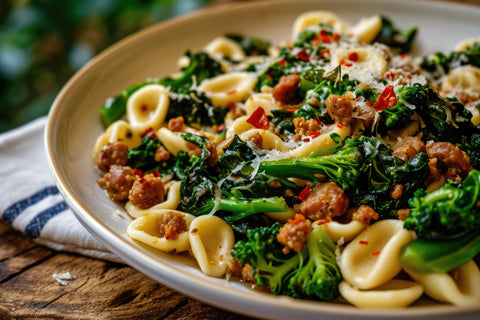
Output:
x,y
31,203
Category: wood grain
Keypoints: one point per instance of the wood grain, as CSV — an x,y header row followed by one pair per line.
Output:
x,y
100,290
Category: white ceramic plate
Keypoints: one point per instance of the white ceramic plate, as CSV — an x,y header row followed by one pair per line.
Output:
x,y
74,125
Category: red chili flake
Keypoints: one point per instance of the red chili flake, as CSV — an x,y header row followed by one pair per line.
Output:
x,y
363,242
353,57
303,55
143,108
259,119
231,105
231,92
376,253
304,193
291,109
325,38
156,173
403,55
149,132
269,77
387,99
314,134
339,126
138,172
336,36
345,63
322,222
324,53
316,39
281,63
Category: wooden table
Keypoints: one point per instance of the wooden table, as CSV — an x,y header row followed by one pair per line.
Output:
x,y
100,290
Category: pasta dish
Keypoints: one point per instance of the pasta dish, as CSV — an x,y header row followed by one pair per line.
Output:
x,y
333,166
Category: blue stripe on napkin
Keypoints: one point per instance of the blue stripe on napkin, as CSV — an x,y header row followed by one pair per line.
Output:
x,y
35,226
18,207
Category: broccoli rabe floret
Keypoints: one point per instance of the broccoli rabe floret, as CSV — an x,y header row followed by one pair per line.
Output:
x,y
448,212
311,274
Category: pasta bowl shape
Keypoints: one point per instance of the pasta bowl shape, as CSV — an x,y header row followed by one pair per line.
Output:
x,y
74,126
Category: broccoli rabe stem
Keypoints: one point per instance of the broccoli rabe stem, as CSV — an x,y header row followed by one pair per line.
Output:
x,y
441,256
246,207
342,169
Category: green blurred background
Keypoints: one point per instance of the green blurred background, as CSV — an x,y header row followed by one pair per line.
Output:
x,y
43,42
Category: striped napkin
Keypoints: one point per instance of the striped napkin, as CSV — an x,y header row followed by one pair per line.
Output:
x,y
31,203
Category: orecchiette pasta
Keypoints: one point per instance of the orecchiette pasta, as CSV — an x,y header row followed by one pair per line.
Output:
x,y
392,294
146,230
228,88
372,258
369,61
118,131
225,48
346,231
211,240
147,107
315,18
367,29
466,77
459,286
269,139
264,100
172,141
321,142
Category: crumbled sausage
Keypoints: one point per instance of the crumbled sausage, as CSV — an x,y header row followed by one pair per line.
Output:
x,y
403,214
396,191
161,154
408,148
326,200
340,108
147,191
118,181
287,90
247,274
213,157
176,124
365,112
293,234
171,225
112,153
364,214
447,158
304,127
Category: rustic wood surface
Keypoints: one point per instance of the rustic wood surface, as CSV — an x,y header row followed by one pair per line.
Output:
x,y
100,290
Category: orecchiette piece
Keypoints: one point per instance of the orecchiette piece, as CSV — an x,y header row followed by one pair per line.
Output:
x,y
146,230
315,18
321,142
226,88
171,141
367,29
372,258
238,126
120,130
281,216
264,100
223,47
466,43
336,230
463,78
393,294
269,139
459,287
172,201
147,107
211,239
368,62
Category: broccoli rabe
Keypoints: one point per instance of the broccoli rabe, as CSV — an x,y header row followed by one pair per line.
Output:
x,y
401,40
311,274
194,109
447,223
448,212
364,168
